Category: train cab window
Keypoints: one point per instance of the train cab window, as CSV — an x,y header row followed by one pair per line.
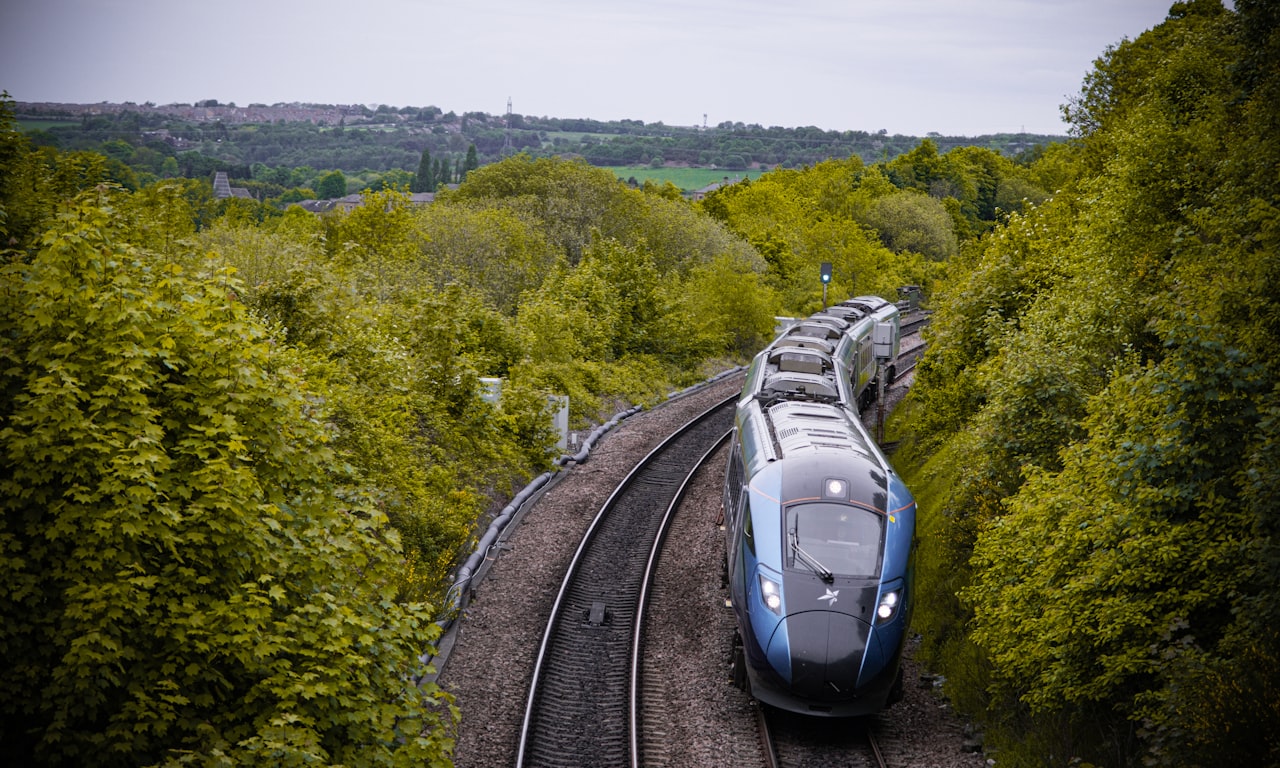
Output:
x,y
838,538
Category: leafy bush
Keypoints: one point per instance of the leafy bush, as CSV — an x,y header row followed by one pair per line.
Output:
x,y
799,219
1092,432
190,573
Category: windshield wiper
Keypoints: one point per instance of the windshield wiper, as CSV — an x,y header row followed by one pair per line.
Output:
x,y
808,559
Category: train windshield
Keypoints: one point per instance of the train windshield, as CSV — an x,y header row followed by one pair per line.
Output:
x,y
845,540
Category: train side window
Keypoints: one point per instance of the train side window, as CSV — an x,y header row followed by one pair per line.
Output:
x,y
748,536
733,483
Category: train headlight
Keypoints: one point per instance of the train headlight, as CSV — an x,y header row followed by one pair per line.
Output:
x,y
888,607
835,488
771,594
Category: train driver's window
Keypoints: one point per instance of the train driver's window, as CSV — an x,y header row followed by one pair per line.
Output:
x,y
847,540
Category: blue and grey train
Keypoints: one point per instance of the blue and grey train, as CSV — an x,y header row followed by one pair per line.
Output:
x,y
819,528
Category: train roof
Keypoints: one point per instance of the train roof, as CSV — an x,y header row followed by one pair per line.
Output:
x,y
793,359
815,327
786,371
801,427
844,314
869,302
794,447
805,341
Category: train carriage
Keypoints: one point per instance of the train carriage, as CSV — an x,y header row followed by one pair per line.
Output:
x,y
819,534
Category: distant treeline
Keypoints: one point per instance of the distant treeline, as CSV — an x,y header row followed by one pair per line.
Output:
x,y
359,140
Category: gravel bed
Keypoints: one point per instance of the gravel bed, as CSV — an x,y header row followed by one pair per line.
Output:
x,y
698,717
692,713
498,633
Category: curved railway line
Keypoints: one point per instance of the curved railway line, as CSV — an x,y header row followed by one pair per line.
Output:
x,y
608,685
577,712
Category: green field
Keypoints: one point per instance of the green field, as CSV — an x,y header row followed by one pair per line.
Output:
x,y
43,125
687,179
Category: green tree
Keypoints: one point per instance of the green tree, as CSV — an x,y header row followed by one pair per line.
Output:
x,y
424,180
570,197
910,221
189,574
398,354
1095,428
22,209
331,185
726,307
470,164
799,219
392,179
497,252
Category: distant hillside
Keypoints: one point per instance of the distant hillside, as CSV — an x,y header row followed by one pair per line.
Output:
x,y
364,142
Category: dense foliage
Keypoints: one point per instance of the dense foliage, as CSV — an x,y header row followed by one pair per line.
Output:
x,y
880,227
243,446
1093,434
240,438
191,575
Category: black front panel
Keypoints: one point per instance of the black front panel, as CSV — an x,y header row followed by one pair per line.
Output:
x,y
828,629
826,653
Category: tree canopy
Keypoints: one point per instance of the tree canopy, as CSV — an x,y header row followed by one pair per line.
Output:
x,y
1093,428
191,575
244,447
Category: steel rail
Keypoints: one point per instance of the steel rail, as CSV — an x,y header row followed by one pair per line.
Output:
x,y
642,603
913,356
914,325
767,745
875,748
571,573
793,746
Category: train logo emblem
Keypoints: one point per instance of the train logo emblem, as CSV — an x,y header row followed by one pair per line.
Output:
x,y
830,596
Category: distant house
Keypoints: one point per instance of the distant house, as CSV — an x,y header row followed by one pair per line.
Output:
x,y
702,192
333,204
222,187
312,206
354,201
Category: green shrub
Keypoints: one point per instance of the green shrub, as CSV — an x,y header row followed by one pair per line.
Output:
x,y
190,576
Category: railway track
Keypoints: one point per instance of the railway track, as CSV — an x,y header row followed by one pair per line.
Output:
x,y
579,709
791,741
911,326
908,359
914,323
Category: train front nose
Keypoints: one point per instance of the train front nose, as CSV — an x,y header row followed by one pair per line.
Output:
x,y
827,648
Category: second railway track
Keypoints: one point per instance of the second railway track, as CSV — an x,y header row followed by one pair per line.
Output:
x,y
693,714
577,709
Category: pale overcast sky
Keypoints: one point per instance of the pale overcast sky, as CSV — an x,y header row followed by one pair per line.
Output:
x,y
958,67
